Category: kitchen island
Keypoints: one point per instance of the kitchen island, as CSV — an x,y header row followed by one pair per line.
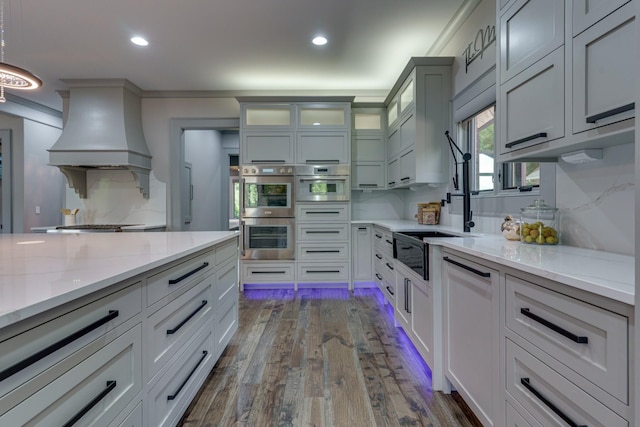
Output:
x,y
112,327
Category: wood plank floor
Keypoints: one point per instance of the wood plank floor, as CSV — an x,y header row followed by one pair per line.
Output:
x,y
321,358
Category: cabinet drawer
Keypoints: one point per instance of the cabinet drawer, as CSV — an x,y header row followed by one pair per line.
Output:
x,y
167,281
321,211
226,286
601,93
322,232
170,396
79,333
557,321
514,419
112,376
323,271
267,272
537,388
133,419
533,104
169,328
322,251
588,12
226,324
227,251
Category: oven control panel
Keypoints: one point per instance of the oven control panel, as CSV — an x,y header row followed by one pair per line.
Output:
x,y
249,170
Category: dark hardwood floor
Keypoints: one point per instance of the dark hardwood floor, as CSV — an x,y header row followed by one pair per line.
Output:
x,y
321,358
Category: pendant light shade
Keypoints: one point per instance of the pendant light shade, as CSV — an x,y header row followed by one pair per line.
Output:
x,y
13,77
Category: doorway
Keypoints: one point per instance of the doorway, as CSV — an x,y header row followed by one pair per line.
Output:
x,y
209,174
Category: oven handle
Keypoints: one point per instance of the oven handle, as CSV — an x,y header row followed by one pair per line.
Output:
x,y
243,236
242,190
323,179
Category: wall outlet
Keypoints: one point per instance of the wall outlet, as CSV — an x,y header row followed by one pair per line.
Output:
x,y
37,210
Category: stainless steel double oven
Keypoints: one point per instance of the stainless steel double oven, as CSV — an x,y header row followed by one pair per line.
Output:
x,y
267,211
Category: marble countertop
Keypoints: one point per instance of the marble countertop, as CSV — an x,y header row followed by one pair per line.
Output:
x,y
137,227
42,271
602,273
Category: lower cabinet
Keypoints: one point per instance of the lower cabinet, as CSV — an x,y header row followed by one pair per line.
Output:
x,y
362,261
471,333
110,359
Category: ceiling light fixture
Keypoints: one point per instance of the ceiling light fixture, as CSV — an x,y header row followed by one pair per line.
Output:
x,y
140,41
13,77
319,41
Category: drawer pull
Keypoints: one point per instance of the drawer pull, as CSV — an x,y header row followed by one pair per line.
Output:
x,y
466,267
379,236
554,327
406,178
322,231
321,161
267,161
390,291
362,228
328,251
527,384
323,271
191,273
378,256
186,319
110,386
177,392
367,185
323,213
378,276
56,346
389,266
388,241
267,272
391,183
527,139
612,112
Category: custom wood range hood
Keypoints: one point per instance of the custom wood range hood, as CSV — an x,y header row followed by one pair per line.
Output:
x,y
102,130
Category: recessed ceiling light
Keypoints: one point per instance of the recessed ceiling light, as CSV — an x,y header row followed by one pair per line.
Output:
x,y
139,41
319,41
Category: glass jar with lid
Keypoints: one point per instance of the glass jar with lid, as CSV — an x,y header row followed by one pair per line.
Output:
x,y
539,224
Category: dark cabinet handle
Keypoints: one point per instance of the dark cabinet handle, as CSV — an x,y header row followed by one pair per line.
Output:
x,y
323,213
110,386
56,346
391,183
379,236
554,327
390,291
378,256
367,185
323,271
177,392
527,139
389,266
322,231
269,272
267,161
388,241
612,112
406,178
321,161
328,251
186,319
466,267
378,276
362,228
191,273
527,384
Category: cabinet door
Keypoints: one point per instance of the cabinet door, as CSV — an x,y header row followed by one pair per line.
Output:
x,y
394,142
323,147
362,260
367,175
267,147
422,318
588,12
407,167
529,30
393,171
323,116
604,72
408,131
368,148
268,116
531,109
402,308
471,333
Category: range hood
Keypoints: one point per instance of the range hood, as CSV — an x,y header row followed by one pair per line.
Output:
x,y
102,130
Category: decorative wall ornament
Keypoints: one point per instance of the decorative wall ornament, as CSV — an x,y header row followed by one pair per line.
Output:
x,y
475,49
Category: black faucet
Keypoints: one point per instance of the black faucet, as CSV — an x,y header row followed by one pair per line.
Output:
x,y
466,184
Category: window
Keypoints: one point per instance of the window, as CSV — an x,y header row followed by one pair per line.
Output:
x,y
478,131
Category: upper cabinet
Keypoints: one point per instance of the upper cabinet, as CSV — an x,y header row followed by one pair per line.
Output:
x,y
368,146
295,131
418,114
558,89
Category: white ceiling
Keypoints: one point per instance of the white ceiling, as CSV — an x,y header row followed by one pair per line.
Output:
x,y
243,47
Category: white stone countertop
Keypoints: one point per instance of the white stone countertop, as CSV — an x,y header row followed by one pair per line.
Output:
x,y
602,273
42,271
137,227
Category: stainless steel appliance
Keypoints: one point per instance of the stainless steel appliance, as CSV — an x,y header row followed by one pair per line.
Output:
x,y
267,191
317,183
268,238
410,249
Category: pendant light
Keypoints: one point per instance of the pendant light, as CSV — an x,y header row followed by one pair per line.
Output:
x,y
13,77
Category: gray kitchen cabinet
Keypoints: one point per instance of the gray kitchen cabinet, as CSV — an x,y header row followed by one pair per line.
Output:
x,y
420,104
601,94
588,12
471,333
323,147
402,306
368,147
383,263
267,147
362,259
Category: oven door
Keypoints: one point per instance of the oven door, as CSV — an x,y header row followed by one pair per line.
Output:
x,y
323,188
268,238
267,197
